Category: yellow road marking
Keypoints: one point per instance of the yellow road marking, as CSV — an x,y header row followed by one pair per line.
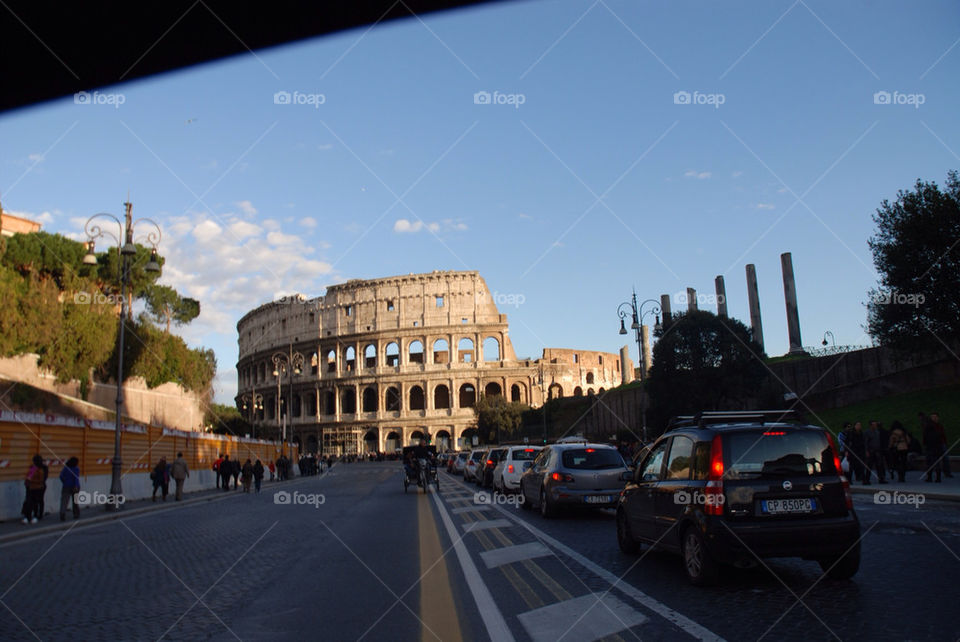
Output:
x,y
438,612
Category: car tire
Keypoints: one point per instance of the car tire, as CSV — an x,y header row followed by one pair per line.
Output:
x,y
546,510
625,539
842,568
524,502
701,568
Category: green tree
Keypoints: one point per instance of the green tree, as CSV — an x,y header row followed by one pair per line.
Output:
x,y
498,419
226,420
46,256
916,250
705,362
165,305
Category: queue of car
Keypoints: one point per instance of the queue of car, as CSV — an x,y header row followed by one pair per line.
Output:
x,y
718,488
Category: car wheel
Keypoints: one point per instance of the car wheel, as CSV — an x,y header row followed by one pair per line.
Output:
x,y
702,570
524,502
546,510
624,537
842,568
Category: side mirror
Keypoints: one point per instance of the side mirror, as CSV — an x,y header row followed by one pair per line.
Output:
x,y
626,476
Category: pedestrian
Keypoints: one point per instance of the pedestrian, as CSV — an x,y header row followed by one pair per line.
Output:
x,y
33,484
876,449
935,420
161,479
216,469
857,449
226,467
40,508
235,471
899,445
273,469
70,486
842,437
179,471
258,474
246,475
933,447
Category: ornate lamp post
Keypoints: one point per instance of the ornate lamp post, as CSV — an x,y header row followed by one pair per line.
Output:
x,y
290,363
832,339
637,313
127,250
253,402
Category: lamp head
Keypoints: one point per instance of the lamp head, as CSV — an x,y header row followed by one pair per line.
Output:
x,y
128,249
152,265
90,258
623,329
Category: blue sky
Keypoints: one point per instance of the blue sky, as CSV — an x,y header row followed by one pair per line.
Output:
x,y
585,176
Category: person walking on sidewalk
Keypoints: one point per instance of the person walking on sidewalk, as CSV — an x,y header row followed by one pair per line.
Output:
x,y
246,475
179,471
857,447
933,447
235,471
273,469
33,483
216,469
161,479
935,420
226,467
258,474
70,486
899,444
876,447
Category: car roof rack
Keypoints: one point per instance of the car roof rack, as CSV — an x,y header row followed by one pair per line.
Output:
x,y
709,417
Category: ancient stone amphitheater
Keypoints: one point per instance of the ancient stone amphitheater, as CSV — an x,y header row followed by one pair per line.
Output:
x,y
386,361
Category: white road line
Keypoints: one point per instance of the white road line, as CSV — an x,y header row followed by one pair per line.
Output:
x,y
509,554
467,509
497,627
485,525
605,616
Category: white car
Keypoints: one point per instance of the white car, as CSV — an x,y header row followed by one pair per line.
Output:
x,y
506,476
459,462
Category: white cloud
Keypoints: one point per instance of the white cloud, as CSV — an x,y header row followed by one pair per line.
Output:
x,y
765,206
247,208
37,157
691,173
207,231
325,147
737,174
279,238
46,218
242,229
404,226
308,221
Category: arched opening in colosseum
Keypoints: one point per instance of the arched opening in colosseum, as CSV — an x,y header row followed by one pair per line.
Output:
x,y
516,393
393,403
468,396
417,401
465,352
441,351
415,352
467,437
348,400
350,359
271,408
393,354
314,363
578,392
556,391
370,442
492,389
297,406
443,441
491,349
309,405
393,441
331,361
415,437
601,391
589,377
441,397
370,356
369,399
329,402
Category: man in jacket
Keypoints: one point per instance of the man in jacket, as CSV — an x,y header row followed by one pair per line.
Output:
x,y
70,481
876,448
179,471
216,469
226,468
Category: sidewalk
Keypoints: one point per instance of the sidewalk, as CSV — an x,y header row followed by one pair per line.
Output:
x,y
13,530
948,490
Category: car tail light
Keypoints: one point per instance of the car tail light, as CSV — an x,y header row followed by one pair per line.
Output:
x,y
591,450
775,433
713,492
510,468
561,477
528,450
489,462
847,495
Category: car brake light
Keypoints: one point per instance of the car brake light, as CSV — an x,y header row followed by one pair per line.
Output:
x,y
591,450
489,462
510,468
847,495
774,433
713,492
561,477
528,450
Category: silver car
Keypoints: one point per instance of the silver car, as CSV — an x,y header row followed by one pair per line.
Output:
x,y
581,474
517,459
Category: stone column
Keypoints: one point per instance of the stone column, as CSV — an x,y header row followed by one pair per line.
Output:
x,y
691,300
790,299
645,334
665,306
721,296
626,374
753,295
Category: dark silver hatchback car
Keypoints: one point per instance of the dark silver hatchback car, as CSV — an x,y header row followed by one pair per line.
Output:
x,y
574,474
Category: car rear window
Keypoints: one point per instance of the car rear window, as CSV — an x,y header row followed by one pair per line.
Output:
x,y
592,458
778,453
463,456
525,454
477,455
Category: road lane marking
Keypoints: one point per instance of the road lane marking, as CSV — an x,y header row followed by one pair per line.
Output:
x,y
511,554
438,613
485,524
492,618
468,509
564,619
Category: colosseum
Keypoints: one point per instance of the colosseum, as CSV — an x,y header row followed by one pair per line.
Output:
x,y
386,361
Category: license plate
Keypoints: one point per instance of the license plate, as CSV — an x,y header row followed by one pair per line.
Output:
x,y
598,499
781,506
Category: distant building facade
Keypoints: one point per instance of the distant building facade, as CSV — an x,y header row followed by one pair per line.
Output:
x,y
10,224
387,361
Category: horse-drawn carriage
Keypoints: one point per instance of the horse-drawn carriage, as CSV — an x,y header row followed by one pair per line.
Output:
x,y
420,470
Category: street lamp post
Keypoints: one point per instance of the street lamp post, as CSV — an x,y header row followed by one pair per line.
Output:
x,y
290,363
127,249
254,402
832,338
637,313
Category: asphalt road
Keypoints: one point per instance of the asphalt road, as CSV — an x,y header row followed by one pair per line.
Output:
x,y
350,557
